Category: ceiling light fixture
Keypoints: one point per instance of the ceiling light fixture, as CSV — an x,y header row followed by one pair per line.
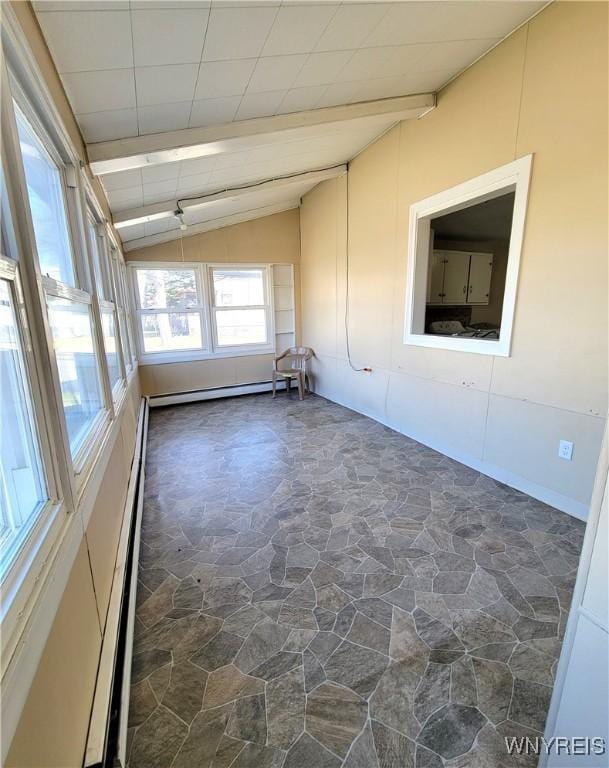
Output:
x,y
179,214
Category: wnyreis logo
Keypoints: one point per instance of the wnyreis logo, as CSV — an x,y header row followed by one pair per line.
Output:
x,y
558,745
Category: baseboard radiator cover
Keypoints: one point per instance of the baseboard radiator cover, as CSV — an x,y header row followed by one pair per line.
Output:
x,y
107,737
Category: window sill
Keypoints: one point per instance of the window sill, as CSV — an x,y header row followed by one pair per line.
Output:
x,y
495,347
160,358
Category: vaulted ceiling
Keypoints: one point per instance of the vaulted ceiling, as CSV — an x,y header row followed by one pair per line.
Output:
x,y
192,98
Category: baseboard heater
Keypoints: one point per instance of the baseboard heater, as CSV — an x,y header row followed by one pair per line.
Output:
x,y
107,737
212,393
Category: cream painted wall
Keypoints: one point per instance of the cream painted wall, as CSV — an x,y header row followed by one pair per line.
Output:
x,y
542,91
268,240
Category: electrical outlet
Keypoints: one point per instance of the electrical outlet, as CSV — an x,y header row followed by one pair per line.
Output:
x,y
565,450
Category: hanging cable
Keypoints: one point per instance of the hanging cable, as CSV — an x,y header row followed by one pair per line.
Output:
x,y
180,210
347,249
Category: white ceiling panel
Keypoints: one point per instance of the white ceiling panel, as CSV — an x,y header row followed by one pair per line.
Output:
x,y
105,126
259,104
152,66
168,36
156,191
297,28
80,42
100,90
237,33
165,84
300,99
274,73
351,25
162,172
224,78
322,68
214,111
164,117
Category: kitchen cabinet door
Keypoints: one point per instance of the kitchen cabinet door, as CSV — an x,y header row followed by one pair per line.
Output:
x,y
480,271
435,278
456,271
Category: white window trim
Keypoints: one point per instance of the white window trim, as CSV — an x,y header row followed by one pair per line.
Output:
x,y
211,350
514,176
268,307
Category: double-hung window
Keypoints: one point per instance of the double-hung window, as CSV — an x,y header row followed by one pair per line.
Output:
x,y
171,310
25,486
241,309
23,491
194,311
69,306
117,269
105,291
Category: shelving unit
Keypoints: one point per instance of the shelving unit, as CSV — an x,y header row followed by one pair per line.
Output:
x,y
283,296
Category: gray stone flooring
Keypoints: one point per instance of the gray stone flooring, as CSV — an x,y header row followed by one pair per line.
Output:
x,y
317,591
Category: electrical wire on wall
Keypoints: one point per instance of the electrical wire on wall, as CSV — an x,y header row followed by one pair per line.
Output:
x,y
180,211
347,249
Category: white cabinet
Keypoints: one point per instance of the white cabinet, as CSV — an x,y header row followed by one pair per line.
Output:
x,y
456,270
435,283
480,271
459,277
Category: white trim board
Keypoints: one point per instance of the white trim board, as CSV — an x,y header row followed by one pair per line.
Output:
x,y
106,673
514,176
171,146
156,401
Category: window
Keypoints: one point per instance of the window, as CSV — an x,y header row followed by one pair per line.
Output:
x,y
22,486
174,314
171,309
240,306
463,258
117,268
74,318
78,368
47,203
108,326
96,256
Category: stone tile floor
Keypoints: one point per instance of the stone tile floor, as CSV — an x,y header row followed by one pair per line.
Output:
x,y
317,591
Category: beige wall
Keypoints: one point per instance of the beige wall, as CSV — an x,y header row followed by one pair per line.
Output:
x,y
542,91
268,240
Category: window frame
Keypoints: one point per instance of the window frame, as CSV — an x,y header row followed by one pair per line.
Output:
x,y
514,176
211,350
201,308
83,293
267,306
104,300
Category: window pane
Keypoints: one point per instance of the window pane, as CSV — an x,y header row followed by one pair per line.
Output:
x,y
108,326
238,287
22,491
165,332
122,324
241,326
99,283
47,204
167,288
77,364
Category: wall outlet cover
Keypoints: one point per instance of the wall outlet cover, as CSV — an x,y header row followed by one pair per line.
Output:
x,y
565,450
